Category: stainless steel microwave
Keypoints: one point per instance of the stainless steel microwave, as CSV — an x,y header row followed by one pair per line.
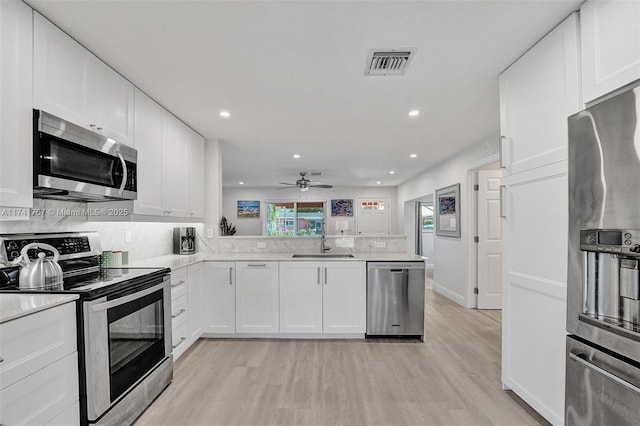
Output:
x,y
74,163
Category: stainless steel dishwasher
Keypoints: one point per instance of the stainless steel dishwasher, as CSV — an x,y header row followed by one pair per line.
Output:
x,y
395,298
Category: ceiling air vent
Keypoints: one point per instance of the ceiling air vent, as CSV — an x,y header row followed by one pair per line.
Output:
x,y
388,61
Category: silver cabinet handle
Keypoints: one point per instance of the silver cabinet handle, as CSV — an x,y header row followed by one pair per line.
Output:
x,y
581,359
255,265
504,146
182,339
182,311
318,275
325,276
178,283
230,276
503,201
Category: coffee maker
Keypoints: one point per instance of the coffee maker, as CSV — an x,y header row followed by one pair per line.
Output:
x,y
184,240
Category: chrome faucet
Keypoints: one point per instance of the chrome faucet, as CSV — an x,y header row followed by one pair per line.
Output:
x,y
323,241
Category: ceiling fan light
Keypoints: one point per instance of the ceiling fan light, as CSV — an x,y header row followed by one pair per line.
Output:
x,y
304,188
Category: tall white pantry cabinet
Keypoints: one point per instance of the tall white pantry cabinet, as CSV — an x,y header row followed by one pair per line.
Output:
x,y
588,56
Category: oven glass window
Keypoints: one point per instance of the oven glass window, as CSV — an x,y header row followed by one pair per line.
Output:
x,y
136,340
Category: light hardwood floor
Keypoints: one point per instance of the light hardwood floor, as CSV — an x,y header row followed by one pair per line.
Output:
x,y
451,379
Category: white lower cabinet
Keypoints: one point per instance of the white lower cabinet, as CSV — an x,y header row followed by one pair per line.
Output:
x,y
179,312
300,297
344,297
323,297
219,294
39,369
257,308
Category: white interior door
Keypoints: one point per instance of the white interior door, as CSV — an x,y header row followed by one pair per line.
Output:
x,y
373,216
490,240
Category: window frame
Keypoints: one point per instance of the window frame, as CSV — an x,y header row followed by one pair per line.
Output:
x,y
295,203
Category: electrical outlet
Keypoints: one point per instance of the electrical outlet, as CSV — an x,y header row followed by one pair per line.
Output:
x,y
262,245
381,244
127,236
209,232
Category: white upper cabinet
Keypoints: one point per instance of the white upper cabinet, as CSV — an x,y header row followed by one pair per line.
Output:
x,y
149,136
175,168
71,83
16,117
610,46
537,94
195,174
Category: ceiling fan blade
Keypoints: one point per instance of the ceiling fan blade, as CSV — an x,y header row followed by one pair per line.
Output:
x,y
287,187
285,183
321,186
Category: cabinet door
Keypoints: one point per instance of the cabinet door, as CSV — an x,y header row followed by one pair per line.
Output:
x,y
110,102
219,299
257,297
16,181
300,297
194,300
537,93
344,297
175,168
195,174
610,46
149,137
59,72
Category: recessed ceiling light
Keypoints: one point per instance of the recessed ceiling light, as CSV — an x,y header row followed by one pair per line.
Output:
x,y
414,113
241,183
225,114
413,155
378,183
392,172
296,155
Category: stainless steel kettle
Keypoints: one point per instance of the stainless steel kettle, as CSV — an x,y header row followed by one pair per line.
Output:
x,y
43,273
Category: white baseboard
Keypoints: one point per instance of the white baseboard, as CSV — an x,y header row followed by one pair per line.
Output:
x,y
556,419
460,300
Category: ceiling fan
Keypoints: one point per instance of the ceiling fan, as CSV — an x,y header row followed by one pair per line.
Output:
x,y
304,184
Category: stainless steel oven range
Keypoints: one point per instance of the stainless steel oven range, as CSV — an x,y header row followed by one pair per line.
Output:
x,y
124,325
603,350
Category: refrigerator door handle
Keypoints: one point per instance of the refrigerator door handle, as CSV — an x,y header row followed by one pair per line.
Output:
x,y
581,359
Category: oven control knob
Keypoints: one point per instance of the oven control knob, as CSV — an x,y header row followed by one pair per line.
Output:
x,y
635,249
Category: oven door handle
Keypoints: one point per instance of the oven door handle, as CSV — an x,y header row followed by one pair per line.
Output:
x,y
581,359
124,173
126,299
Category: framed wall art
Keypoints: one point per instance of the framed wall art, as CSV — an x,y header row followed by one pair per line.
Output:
x,y
342,207
248,209
447,211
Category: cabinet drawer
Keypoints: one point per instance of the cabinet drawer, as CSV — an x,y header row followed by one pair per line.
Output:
x,y
178,283
178,307
180,334
32,342
70,416
40,397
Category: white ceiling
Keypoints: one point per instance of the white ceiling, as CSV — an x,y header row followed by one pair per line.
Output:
x,y
292,75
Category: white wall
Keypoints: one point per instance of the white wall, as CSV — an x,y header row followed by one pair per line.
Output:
x,y
251,226
451,255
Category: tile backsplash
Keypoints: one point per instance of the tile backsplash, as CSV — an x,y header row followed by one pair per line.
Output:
x,y
148,239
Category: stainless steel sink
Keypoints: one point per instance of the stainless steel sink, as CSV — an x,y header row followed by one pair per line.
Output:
x,y
330,255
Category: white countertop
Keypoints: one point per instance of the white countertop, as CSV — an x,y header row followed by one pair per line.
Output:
x,y
175,261
16,305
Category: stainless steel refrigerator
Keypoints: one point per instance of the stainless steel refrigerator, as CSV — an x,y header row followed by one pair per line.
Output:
x,y
603,319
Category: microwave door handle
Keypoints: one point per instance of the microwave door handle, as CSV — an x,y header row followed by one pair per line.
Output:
x,y
126,299
124,173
